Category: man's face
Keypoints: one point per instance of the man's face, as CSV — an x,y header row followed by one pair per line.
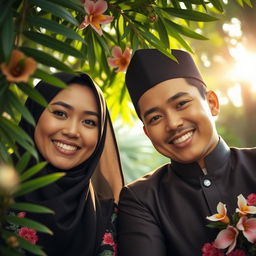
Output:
x,y
179,121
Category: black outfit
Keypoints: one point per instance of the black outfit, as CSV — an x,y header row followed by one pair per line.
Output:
x,y
164,213
83,200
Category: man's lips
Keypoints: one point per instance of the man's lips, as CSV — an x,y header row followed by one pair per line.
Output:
x,y
181,136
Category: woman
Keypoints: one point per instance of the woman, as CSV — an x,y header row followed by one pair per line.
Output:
x,y
74,135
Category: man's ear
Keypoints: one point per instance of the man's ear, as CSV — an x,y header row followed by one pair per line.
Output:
x,y
145,131
213,102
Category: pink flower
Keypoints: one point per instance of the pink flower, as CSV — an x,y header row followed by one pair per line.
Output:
x,y
243,208
251,199
120,60
237,252
95,17
248,227
21,214
108,239
209,250
28,234
226,238
221,214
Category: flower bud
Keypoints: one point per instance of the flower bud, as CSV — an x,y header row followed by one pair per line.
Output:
x,y
9,179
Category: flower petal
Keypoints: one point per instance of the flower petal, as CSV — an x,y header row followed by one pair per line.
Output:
x,y
100,6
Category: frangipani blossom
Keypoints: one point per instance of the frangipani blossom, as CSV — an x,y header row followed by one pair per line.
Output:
x,y
248,227
120,60
243,207
95,16
19,68
221,215
226,238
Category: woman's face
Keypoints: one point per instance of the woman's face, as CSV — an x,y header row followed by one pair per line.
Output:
x,y
67,131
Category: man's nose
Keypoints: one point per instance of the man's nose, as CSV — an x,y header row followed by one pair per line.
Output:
x,y
173,121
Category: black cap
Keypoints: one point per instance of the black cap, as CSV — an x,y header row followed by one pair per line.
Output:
x,y
149,67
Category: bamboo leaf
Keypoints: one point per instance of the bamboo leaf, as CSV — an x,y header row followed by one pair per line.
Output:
x,y
46,59
34,184
33,94
32,171
52,43
184,31
7,32
163,34
55,9
15,102
190,14
25,222
23,162
71,5
217,4
50,79
28,207
55,27
90,52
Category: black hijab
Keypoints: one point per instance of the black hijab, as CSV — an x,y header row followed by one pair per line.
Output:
x,y
83,199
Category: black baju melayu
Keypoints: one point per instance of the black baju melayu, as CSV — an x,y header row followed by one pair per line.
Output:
x,y
164,213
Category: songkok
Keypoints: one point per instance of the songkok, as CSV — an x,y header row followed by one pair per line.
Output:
x,y
148,67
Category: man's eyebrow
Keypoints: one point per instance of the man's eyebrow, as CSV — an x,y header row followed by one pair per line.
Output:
x,y
65,105
171,99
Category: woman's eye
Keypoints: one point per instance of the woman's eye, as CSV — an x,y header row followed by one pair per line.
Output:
x,y
89,122
59,113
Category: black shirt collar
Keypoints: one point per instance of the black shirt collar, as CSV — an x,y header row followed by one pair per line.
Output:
x,y
213,161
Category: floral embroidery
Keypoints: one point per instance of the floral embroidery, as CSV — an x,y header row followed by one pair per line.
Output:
x,y
238,233
28,234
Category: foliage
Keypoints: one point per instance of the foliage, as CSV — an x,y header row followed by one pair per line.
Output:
x,y
46,34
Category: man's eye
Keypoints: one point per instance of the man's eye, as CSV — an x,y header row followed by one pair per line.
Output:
x,y
89,122
154,119
182,103
59,113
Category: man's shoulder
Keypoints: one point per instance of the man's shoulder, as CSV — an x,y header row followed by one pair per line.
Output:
x,y
244,151
151,178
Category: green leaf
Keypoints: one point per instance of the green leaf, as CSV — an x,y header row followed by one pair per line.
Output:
x,y
9,251
46,59
28,207
32,171
185,31
48,78
52,43
55,27
34,184
7,32
5,7
15,102
217,4
23,162
103,43
190,14
25,222
35,249
163,34
71,5
55,9
90,51
33,94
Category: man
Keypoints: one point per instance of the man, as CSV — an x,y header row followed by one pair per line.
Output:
x,y
164,212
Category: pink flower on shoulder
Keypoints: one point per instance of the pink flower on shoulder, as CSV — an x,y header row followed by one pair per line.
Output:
x,y
248,227
243,208
226,239
95,16
251,199
108,239
221,214
120,60
209,250
28,234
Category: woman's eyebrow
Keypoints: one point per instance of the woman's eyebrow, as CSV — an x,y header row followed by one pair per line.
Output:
x,y
65,105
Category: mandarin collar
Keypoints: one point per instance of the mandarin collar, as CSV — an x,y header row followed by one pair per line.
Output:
x,y
213,162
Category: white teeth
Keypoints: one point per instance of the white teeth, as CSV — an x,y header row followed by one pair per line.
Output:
x,y
183,138
65,146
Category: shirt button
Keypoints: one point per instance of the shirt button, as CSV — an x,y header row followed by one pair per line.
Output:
x,y
207,183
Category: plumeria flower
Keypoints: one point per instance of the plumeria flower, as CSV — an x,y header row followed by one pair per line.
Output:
x,y
95,16
251,199
19,68
226,238
221,215
120,60
243,207
248,227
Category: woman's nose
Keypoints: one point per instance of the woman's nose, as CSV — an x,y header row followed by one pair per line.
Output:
x,y
71,129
